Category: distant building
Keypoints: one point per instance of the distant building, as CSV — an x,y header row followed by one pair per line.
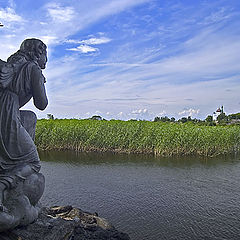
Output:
x,y
217,113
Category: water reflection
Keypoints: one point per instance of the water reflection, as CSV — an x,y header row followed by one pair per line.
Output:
x,y
91,158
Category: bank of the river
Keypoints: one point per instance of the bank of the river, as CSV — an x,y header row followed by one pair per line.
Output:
x,y
163,139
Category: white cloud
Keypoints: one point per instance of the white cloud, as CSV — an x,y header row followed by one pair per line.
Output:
x,y
60,14
189,112
95,41
84,49
217,16
113,7
49,39
140,111
162,113
10,36
9,15
91,41
143,113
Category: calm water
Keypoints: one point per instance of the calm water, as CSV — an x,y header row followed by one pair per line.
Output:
x,y
149,198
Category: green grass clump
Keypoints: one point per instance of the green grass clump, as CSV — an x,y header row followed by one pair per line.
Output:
x,y
163,139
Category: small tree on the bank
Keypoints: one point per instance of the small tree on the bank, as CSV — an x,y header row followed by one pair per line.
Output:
x,y
50,116
95,117
161,119
209,118
209,121
222,118
183,120
235,116
172,119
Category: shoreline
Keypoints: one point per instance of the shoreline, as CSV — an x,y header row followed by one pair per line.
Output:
x,y
126,152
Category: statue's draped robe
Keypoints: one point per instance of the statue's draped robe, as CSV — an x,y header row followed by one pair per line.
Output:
x,y
17,148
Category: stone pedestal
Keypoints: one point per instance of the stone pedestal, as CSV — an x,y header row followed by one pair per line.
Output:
x,y
21,202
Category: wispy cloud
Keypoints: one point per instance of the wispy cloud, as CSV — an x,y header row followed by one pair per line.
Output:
x,y
162,113
60,14
83,49
217,16
9,15
91,41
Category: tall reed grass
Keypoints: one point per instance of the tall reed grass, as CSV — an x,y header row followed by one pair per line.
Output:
x,y
164,139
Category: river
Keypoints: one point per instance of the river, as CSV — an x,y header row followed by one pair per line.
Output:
x,y
149,198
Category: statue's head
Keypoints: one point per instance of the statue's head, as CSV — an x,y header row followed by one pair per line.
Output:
x,y
35,50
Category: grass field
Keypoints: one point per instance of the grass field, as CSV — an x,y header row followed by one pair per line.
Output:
x,y
163,139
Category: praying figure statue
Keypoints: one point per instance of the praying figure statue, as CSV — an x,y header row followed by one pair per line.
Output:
x,y
21,184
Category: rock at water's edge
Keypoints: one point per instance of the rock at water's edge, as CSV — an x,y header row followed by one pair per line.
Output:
x,y
65,223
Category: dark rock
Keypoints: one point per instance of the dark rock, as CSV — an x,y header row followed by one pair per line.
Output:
x,y
65,223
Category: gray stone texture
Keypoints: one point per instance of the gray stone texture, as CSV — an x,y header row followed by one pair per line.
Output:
x,y
21,184
66,223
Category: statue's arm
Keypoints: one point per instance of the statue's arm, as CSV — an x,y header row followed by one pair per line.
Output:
x,y
38,89
23,101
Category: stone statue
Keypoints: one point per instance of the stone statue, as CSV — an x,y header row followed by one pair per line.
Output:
x,y
21,184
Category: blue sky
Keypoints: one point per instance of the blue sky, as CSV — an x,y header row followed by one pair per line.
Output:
x,y
127,59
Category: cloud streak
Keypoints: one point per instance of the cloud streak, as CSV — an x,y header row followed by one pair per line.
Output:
x,y
189,112
60,14
91,41
8,15
84,49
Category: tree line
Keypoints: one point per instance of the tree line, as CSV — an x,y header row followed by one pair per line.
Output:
x,y
222,119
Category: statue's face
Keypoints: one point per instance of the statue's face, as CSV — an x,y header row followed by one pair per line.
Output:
x,y
42,60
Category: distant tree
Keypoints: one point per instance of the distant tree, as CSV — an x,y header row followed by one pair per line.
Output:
x,y
172,119
165,119
96,117
156,119
50,116
183,120
195,120
189,119
209,118
161,119
222,118
234,116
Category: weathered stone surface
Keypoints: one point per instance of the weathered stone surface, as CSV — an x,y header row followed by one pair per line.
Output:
x,y
65,223
20,202
21,184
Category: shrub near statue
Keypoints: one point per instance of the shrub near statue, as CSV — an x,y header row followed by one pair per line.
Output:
x,y
21,184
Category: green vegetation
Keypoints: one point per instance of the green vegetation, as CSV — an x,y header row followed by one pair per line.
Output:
x,y
159,138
